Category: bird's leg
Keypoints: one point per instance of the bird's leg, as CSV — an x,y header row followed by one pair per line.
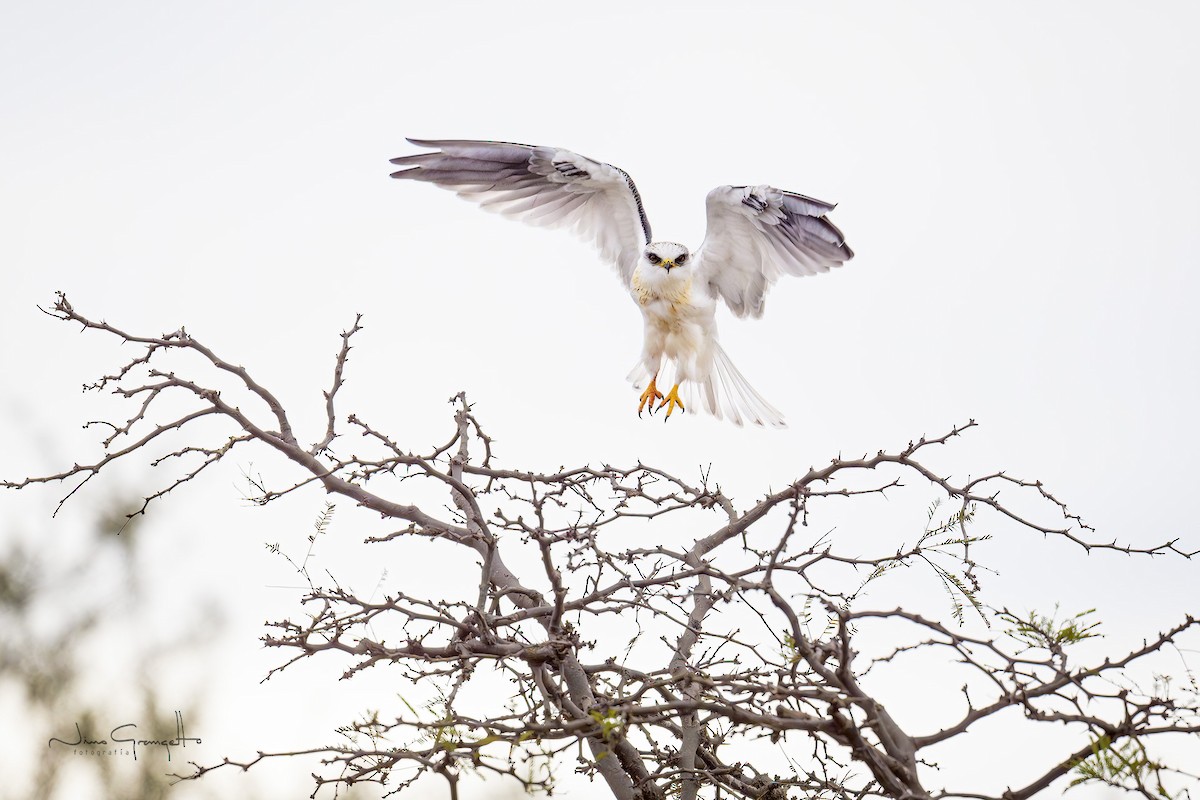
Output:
x,y
649,396
670,401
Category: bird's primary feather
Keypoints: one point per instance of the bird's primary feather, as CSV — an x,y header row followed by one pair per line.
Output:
x,y
545,186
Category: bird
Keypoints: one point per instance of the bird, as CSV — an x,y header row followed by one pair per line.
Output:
x,y
755,234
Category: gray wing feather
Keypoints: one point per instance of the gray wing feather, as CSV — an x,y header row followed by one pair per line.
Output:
x,y
757,233
545,186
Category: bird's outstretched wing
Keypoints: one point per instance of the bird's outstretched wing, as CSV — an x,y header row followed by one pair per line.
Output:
x,y
545,186
757,233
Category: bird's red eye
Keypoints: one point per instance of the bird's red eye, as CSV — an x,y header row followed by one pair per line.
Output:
x,y
682,259
653,258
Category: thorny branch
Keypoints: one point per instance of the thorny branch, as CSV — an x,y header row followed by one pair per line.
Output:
x,y
750,632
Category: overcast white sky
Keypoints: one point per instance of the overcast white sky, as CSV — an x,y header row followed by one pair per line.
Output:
x,y
1019,182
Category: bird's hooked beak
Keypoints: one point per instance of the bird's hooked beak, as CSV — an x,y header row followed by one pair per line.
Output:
x,y
668,264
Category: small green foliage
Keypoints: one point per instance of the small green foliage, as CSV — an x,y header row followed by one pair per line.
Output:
x,y
446,735
1127,766
610,723
320,527
790,651
952,533
955,526
1048,632
942,539
957,588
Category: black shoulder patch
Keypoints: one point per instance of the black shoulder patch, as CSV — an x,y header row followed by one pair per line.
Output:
x,y
755,202
569,170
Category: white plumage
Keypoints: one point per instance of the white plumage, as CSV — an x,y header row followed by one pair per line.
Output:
x,y
755,234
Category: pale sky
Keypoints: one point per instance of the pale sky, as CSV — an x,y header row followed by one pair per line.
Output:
x,y
1019,182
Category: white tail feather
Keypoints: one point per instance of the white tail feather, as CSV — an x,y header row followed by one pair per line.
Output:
x,y
725,393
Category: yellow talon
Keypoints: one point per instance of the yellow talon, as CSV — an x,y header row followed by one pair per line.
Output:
x,y
649,396
671,400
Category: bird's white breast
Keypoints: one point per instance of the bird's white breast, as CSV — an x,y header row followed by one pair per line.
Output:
x,y
665,300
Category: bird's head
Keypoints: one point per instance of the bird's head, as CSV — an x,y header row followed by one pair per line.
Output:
x,y
669,256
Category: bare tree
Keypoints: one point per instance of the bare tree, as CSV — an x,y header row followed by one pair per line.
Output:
x,y
733,665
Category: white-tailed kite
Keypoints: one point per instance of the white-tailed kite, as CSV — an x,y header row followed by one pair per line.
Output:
x,y
755,234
